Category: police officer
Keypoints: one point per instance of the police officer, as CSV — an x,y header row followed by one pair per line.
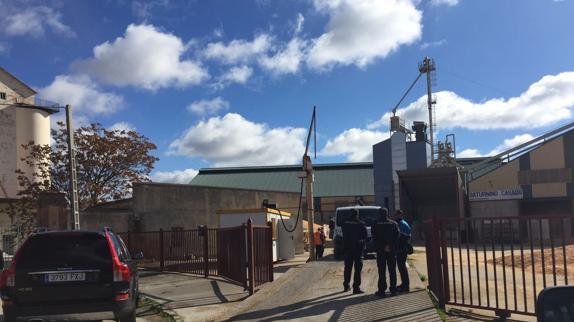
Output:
x,y
354,237
385,236
403,249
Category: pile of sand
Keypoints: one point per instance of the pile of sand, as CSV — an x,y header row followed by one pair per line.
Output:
x,y
537,256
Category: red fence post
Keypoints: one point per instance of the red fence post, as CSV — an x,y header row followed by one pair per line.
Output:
x,y
250,258
434,262
269,242
161,248
205,251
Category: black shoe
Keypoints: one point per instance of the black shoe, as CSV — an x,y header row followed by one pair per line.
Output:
x,y
380,294
403,289
394,293
358,291
346,289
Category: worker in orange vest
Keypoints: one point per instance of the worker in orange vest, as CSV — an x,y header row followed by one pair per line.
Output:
x,y
319,238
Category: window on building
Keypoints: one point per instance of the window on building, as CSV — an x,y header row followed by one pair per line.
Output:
x,y
2,95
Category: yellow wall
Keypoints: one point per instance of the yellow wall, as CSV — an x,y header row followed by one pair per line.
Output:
x,y
548,156
505,177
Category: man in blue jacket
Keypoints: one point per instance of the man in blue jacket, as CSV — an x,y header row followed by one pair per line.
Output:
x,y
403,250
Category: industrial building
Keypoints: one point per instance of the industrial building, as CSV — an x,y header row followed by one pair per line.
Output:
x,y
21,122
534,178
166,206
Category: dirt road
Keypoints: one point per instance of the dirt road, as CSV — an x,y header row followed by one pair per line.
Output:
x,y
314,292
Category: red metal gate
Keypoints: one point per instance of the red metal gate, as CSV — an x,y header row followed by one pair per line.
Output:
x,y
232,254
242,254
498,263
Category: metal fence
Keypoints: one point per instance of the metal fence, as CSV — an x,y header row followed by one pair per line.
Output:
x,y
242,254
500,263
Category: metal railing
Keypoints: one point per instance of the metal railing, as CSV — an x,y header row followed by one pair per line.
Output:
x,y
242,254
499,263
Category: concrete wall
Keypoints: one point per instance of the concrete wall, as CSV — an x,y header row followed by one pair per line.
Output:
x,y
157,205
8,154
117,215
495,208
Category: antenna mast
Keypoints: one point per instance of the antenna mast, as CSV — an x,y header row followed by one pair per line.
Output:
x,y
428,67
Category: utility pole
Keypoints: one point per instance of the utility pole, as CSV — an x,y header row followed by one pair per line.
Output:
x,y
307,173
74,205
428,66
308,167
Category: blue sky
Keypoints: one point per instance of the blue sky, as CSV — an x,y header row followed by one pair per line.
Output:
x,y
226,83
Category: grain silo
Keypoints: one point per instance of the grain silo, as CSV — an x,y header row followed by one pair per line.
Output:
x,y
21,121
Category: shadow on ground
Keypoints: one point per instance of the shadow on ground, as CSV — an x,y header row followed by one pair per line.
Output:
x,y
344,307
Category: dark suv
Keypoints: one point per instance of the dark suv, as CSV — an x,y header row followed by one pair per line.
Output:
x,y
71,275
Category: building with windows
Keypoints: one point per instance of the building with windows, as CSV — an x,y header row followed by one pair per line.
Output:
x,y
21,122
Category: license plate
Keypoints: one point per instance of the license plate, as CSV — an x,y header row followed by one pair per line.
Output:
x,y
64,277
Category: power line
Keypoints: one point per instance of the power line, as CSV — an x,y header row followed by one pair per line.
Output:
x,y
475,82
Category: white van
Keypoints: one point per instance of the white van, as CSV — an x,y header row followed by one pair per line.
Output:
x,y
368,214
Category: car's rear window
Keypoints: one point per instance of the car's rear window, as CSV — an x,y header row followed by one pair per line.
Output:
x,y
73,250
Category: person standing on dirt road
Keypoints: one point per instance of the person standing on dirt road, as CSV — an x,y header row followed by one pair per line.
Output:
x,y
319,239
386,237
354,238
331,227
403,250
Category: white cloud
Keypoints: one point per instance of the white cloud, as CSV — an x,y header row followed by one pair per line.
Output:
x,y
507,144
355,144
299,23
433,44
469,153
287,60
360,31
238,50
122,126
238,74
511,143
218,32
177,176
144,9
144,57
203,107
547,101
34,22
83,94
4,48
232,140
450,3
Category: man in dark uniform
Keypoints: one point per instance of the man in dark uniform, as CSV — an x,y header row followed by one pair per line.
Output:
x,y
331,227
386,236
354,237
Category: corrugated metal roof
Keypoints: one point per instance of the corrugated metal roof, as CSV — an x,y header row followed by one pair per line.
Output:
x,y
331,180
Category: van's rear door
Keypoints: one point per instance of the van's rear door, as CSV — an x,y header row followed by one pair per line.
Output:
x,y
64,268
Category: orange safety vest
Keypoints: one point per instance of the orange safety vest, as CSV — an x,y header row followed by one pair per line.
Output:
x,y
317,239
